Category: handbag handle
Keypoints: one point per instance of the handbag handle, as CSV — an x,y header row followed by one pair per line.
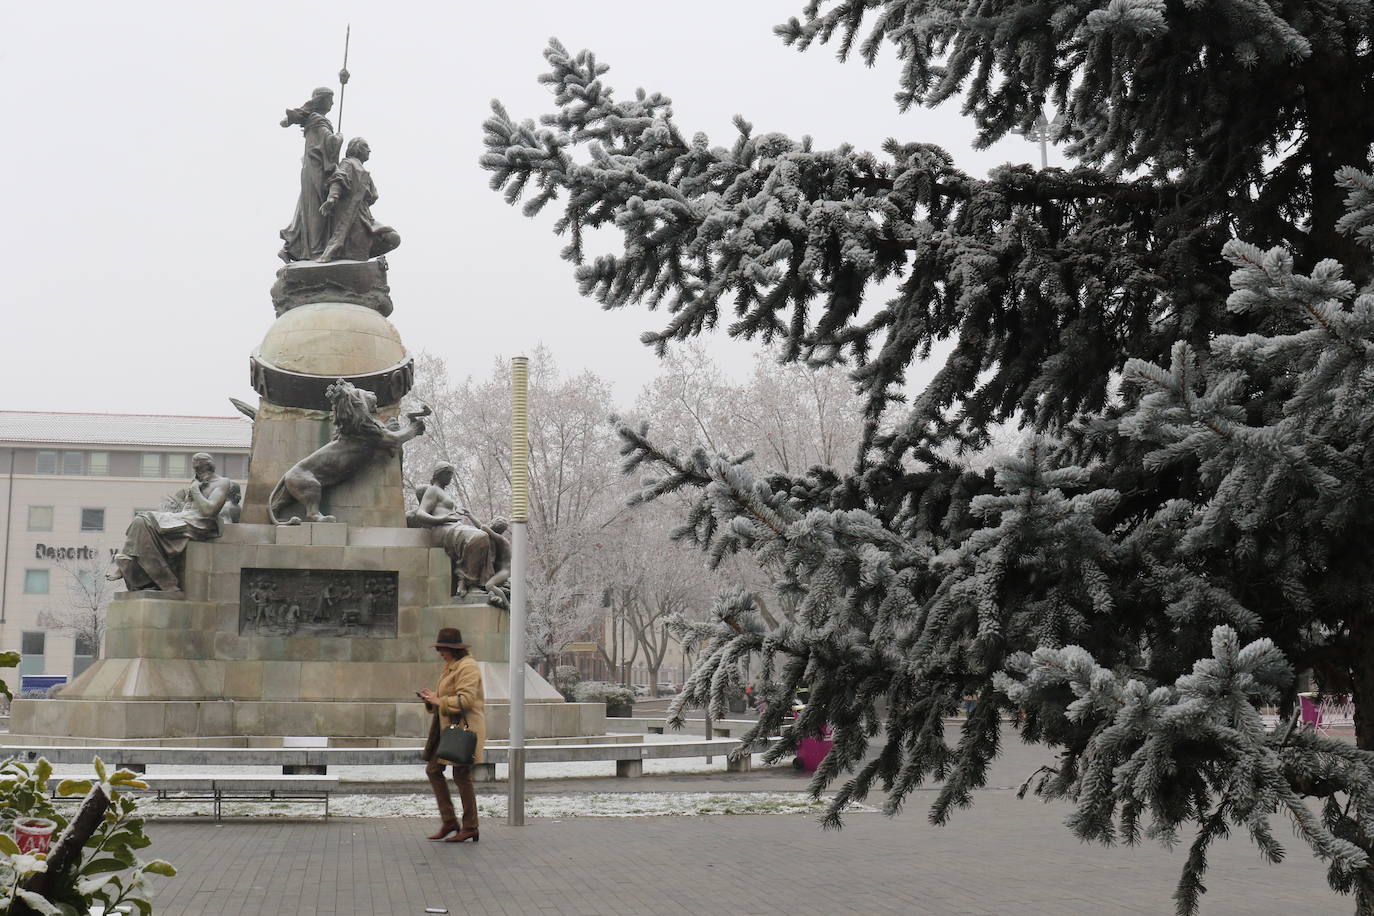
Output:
x,y
453,720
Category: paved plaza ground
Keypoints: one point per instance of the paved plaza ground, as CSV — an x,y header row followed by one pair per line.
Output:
x,y
1006,856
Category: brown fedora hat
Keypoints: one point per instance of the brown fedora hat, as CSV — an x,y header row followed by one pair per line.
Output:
x,y
450,638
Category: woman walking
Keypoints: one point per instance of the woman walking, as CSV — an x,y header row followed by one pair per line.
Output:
x,y
459,696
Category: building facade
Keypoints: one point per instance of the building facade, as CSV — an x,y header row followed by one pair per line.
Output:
x,y
69,485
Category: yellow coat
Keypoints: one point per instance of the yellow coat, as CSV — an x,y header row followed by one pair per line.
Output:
x,y
460,694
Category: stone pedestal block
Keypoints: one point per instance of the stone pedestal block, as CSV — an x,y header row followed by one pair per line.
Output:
x,y
358,282
283,436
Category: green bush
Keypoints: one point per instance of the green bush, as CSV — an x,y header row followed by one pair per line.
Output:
x,y
107,869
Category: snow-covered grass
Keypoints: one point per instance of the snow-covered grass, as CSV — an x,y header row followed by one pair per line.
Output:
x,y
600,804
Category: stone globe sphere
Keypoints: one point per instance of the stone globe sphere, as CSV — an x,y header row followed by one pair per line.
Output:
x,y
332,339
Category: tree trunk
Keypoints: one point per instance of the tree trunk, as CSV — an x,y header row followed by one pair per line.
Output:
x,y
66,852
767,616
1362,682
1335,140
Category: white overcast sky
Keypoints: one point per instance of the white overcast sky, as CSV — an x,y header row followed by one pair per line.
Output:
x,y
146,176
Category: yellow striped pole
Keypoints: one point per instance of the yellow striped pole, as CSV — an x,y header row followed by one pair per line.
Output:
x,y
520,438
519,516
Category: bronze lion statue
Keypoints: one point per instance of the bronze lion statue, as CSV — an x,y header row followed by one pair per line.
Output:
x,y
359,437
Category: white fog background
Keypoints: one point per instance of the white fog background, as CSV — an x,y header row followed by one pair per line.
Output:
x,y
147,177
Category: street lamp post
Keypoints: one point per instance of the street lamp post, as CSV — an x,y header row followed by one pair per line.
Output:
x,y
1042,132
520,514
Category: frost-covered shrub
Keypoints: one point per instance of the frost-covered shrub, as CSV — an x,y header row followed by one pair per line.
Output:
x,y
602,692
565,680
39,693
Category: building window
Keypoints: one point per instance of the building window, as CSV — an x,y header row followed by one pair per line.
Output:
x,y
150,465
40,518
75,464
177,466
83,655
35,581
32,645
92,519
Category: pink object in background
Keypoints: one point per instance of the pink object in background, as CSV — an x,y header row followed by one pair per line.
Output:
x,y
1311,712
811,751
34,834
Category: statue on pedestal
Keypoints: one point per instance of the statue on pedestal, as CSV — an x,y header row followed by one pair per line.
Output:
x,y
497,587
359,438
466,544
334,249
305,238
233,505
353,234
155,541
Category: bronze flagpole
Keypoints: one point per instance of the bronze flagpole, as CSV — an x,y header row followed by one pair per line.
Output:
x,y
344,74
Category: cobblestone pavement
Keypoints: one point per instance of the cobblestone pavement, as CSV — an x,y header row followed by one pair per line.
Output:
x,y
1005,856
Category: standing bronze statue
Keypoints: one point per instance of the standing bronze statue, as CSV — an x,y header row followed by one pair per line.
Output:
x,y
308,233
353,234
155,541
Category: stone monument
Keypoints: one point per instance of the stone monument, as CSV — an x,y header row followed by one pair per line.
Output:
x,y
313,613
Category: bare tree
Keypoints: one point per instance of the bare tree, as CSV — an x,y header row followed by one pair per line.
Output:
x,y
795,416
618,649
792,416
648,580
574,484
563,610
88,596
594,564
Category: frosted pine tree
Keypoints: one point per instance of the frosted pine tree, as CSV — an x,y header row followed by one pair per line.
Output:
x,y
1170,550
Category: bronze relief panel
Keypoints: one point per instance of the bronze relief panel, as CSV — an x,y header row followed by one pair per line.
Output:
x,y
317,602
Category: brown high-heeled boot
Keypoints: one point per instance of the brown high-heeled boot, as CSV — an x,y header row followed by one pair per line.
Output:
x,y
462,835
444,830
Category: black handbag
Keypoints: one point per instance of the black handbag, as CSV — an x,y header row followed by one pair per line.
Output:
x,y
457,743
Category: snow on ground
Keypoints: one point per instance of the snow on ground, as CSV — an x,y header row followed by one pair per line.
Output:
x,y
588,804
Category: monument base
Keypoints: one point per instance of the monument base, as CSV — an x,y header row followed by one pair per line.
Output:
x,y
318,630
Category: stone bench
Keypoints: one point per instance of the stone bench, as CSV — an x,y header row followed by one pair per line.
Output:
x,y
720,728
629,757
217,788
304,762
